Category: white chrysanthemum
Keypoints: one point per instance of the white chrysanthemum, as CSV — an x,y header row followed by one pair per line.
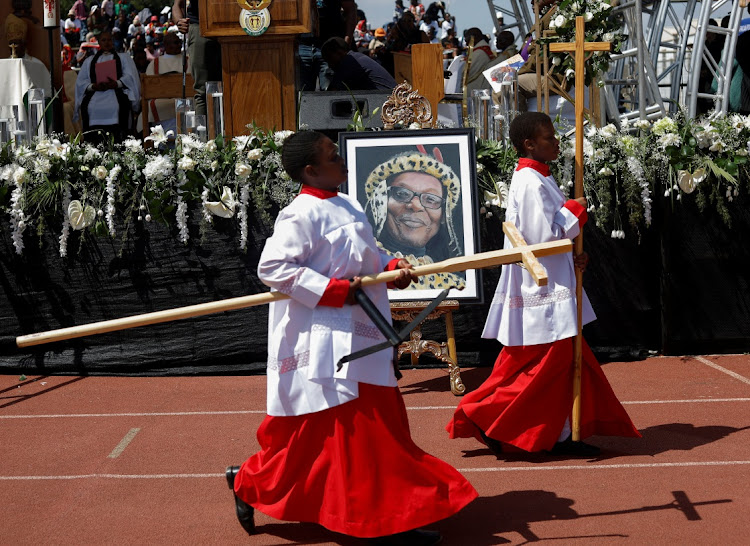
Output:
x,y
158,168
6,172
91,153
669,139
190,143
42,165
133,145
643,124
280,136
255,154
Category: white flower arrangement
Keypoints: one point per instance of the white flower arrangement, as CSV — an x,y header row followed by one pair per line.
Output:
x,y
601,26
627,171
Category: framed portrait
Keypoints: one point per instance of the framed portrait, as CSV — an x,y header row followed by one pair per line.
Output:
x,y
418,190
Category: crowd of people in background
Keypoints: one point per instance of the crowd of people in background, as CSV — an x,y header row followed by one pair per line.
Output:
x,y
141,34
411,23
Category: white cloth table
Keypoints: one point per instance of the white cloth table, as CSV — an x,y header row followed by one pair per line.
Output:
x,y
20,75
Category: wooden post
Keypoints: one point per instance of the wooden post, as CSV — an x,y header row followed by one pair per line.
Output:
x,y
579,48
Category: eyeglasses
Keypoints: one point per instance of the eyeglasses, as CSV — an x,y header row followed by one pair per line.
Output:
x,y
405,195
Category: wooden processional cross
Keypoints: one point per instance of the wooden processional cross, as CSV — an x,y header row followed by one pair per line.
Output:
x,y
578,49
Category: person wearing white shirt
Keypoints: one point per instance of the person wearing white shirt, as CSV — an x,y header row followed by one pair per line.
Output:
x,y
135,28
105,107
448,23
528,398
330,428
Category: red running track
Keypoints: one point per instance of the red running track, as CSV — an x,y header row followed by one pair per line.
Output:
x,y
117,460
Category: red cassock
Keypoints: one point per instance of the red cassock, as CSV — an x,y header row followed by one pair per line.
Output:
x,y
353,469
529,395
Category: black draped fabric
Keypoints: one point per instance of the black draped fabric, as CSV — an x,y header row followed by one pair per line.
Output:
x,y
682,290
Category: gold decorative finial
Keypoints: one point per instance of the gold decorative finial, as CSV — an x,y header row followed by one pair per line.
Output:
x,y
405,107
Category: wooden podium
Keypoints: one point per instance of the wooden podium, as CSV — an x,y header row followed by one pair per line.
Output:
x,y
258,71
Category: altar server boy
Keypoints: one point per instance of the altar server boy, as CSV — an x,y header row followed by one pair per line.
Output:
x,y
335,446
527,400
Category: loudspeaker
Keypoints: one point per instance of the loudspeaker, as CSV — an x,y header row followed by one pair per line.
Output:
x,y
321,110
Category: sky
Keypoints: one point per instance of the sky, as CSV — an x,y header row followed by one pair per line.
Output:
x,y
468,13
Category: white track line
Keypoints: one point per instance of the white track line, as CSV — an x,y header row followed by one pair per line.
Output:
x,y
262,412
715,366
117,451
535,468
604,466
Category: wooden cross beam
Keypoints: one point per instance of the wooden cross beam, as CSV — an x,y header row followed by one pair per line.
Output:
x,y
527,254
578,49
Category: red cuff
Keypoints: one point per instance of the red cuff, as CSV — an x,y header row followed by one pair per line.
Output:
x,y
579,210
335,294
392,266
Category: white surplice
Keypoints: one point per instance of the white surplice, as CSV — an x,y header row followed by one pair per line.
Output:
x,y
316,240
523,313
103,108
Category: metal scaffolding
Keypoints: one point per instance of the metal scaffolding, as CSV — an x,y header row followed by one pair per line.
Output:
x,y
659,68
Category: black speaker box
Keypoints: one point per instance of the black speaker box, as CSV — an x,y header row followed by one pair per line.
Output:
x,y
323,110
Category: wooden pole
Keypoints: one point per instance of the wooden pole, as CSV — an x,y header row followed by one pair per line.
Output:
x,y
579,49
461,263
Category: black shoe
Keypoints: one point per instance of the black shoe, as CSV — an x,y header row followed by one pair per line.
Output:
x,y
495,446
574,449
245,512
415,537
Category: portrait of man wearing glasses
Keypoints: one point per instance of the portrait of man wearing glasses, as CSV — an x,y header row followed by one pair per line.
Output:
x,y
410,201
